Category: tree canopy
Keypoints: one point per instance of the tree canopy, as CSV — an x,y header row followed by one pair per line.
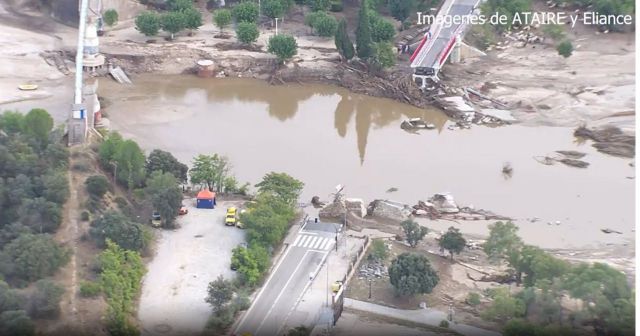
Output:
x,y
222,18
503,240
31,257
412,274
283,46
219,293
413,231
247,32
118,228
281,185
165,195
148,23
210,170
343,42
246,11
452,241
364,47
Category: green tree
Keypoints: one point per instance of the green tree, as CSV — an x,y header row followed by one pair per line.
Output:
x,y
219,293
412,274
148,23
10,299
56,187
384,54
247,32
246,265
378,250
401,9
159,160
97,186
565,48
166,196
364,42
413,231
40,215
179,5
264,225
120,278
503,240
452,241
16,322
116,227
504,306
173,23
11,122
283,46
281,185
320,5
45,301
130,162
382,30
210,170
110,17
325,25
192,18
222,18
37,124
246,11
273,8
31,257
343,42
473,299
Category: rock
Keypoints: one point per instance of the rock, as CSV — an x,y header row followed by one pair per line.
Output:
x,y
444,203
335,210
421,212
356,206
389,210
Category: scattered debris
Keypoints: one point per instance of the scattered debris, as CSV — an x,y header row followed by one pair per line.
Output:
x,y
610,231
392,189
574,163
443,206
609,140
444,203
356,206
315,201
572,154
416,123
372,269
507,169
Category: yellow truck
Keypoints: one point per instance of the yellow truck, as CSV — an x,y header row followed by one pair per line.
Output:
x,y
232,217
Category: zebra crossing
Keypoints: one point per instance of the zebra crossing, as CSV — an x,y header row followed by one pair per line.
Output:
x,y
313,242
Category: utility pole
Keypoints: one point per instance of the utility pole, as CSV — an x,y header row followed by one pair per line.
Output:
x,y
327,266
276,26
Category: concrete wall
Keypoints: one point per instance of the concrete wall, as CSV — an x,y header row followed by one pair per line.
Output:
x,y
66,11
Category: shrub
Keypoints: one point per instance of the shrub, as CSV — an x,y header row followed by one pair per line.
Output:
x,y
473,299
90,289
32,257
382,30
85,216
82,167
246,12
378,250
336,6
222,18
283,46
148,23
326,25
565,48
247,32
173,22
110,17
97,186
45,301
444,324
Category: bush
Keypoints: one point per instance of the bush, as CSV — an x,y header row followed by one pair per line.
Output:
x,y
118,228
31,257
336,6
82,167
382,30
222,18
97,186
247,32
110,17
473,299
283,46
90,289
85,216
246,12
173,22
326,25
412,274
16,322
148,23
319,5
444,324
378,250
45,301
565,48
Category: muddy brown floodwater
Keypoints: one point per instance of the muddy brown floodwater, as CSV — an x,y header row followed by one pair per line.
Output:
x,y
326,136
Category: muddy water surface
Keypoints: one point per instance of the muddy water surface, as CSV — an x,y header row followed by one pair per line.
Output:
x,y
325,136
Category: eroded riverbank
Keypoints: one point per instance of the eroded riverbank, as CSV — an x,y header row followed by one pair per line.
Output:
x,y
325,136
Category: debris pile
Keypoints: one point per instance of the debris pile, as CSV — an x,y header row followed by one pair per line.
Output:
x,y
389,210
569,158
443,206
372,269
356,207
609,140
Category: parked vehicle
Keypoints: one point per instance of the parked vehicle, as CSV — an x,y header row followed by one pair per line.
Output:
x,y
231,217
183,210
156,220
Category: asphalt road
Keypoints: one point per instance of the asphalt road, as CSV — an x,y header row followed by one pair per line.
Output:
x,y
284,288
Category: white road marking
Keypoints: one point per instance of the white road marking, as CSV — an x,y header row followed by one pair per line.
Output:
x,y
303,240
311,242
308,232
319,242
282,292
296,241
326,244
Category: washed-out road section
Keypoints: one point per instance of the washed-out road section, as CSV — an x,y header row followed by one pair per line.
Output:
x,y
186,260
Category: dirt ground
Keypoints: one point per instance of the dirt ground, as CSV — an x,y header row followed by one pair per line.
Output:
x,y
363,323
186,260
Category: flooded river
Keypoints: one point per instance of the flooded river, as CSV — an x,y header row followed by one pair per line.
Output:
x,y
326,136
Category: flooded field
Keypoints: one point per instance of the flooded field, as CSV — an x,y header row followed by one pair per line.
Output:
x,y
326,136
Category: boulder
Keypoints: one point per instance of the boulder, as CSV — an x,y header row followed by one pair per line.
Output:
x,y
356,206
390,210
333,210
